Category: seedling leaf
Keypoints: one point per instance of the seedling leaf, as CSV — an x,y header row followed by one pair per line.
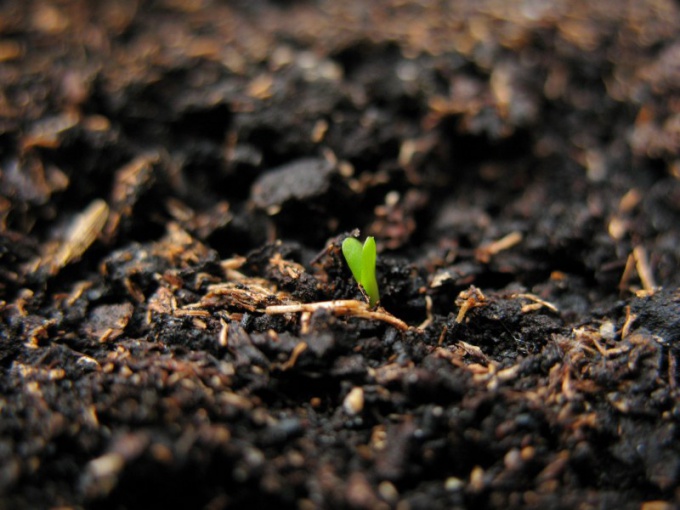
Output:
x,y
352,250
361,261
368,280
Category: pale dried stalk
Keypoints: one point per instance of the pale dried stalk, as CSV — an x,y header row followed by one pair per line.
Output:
x,y
537,301
83,232
643,269
348,307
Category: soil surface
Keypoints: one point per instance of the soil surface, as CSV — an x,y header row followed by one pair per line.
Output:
x,y
178,326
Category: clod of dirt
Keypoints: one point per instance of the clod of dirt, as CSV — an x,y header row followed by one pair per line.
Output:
x,y
302,180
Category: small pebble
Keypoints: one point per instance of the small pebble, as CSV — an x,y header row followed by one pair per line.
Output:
x,y
354,401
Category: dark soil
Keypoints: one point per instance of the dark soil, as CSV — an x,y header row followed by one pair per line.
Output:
x,y
173,172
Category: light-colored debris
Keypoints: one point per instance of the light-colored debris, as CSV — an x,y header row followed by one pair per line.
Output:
x,y
630,319
88,362
477,479
473,351
588,336
538,303
253,296
129,183
442,335
354,401
84,230
467,299
297,350
232,263
286,267
638,262
643,269
47,132
428,312
484,253
343,307
223,338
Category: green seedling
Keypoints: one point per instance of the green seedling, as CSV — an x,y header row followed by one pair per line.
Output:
x,y
361,261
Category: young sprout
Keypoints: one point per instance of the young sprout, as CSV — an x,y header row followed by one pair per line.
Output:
x,y
361,261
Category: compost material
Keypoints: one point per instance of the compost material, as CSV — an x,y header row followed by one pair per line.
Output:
x,y
178,327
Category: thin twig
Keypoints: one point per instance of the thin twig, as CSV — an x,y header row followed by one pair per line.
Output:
x,y
348,307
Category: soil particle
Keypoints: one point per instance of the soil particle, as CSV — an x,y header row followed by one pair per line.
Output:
x,y
660,314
